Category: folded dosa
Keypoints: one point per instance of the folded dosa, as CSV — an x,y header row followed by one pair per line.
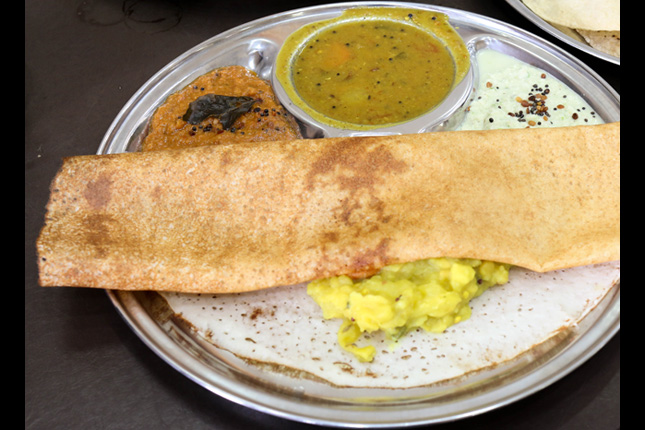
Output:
x,y
242,217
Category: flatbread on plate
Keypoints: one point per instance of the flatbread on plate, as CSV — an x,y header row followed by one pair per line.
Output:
x,y
243,217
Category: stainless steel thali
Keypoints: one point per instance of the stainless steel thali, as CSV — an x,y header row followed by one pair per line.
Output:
x,y
255,46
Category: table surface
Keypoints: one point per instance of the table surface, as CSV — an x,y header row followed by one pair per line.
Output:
x,y
84,367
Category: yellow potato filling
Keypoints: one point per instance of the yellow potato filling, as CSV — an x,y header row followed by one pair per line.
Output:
x,y
431,294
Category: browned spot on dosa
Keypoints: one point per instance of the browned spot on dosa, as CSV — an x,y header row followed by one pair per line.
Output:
x,y
97,192
369,262
355,166
354,163
97,233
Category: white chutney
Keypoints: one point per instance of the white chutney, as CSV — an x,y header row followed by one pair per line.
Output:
x,y
513,94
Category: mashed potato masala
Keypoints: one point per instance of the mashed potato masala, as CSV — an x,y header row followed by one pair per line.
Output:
x,y
430,294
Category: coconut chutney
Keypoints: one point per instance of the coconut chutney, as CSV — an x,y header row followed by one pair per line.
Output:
x,y
513,94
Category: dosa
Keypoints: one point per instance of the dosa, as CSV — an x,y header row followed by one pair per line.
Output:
x,y
242,217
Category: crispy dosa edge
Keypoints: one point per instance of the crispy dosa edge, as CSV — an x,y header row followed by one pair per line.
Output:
x,y
241,217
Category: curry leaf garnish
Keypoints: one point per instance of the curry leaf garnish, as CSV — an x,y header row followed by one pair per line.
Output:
x,y
225,108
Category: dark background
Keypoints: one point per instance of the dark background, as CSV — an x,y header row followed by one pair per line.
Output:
x,y
84,367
